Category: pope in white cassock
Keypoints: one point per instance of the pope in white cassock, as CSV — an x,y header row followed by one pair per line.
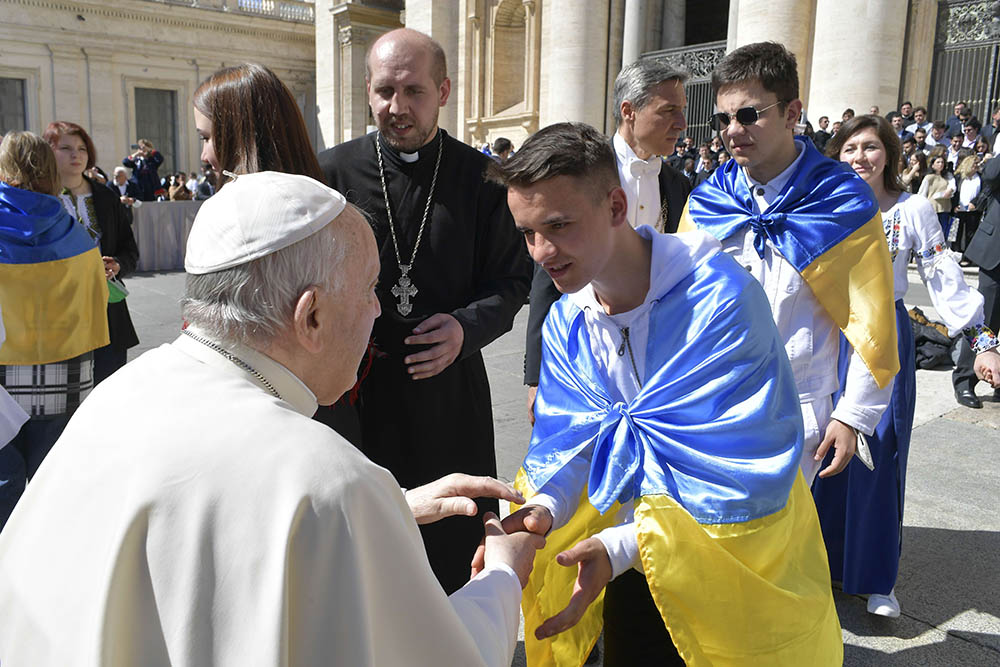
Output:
x,y
227,527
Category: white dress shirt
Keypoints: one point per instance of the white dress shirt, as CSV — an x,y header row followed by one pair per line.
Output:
x,y
811,337
641,182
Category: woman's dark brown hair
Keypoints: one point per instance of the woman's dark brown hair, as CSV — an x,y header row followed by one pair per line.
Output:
x,y
882,127
59,128
256,124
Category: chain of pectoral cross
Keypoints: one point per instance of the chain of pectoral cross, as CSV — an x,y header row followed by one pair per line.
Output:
x,y
404,289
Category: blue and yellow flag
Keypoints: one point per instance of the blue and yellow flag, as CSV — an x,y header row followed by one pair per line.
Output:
x,y
52,282
828,226
709,451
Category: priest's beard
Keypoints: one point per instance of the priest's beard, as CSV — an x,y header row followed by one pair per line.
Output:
x,y
413,139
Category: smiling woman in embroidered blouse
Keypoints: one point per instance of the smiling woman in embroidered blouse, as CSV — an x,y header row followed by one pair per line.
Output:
x,y
101,212
866,557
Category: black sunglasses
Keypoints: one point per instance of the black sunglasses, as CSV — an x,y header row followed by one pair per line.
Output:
x,y
745,116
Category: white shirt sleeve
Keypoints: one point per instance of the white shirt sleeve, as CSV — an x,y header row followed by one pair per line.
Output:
x,y
956,302
862,403
561,494
621,543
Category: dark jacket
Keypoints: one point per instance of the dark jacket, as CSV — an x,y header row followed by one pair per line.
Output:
x,y
117,241
144,174
984,248
674,190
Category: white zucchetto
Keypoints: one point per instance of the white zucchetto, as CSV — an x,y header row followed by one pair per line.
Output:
x,y
255,215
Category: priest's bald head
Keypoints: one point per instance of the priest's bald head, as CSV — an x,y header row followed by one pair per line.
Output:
x,y
283,264
407,79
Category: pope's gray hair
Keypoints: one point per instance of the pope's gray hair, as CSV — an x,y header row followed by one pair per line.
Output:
x,y
251,304
636,81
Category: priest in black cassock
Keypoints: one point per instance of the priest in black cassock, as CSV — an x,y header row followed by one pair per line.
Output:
x,y
454,273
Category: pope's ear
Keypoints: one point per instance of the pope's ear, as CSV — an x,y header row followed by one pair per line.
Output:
x,y
308,321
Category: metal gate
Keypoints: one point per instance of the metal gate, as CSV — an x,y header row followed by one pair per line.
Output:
x,y
966,59
698,61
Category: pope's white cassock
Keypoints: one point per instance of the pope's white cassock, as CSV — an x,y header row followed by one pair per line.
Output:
x,y
192,513
189,517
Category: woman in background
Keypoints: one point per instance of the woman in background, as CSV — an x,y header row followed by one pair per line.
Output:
x,y
861,510
248,121
106,220
937,187
914,173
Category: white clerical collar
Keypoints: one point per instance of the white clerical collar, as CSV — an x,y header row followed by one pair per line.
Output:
x,y
626,157
769,191
288,386
409,157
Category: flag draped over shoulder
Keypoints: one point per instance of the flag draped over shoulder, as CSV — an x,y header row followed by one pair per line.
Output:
x,y
52,283
828,226
709,451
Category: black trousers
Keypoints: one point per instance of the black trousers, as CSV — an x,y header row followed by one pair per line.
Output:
x,y
964,377
634,633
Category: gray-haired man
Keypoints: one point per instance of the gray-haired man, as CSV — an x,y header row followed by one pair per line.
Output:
x,y
649,105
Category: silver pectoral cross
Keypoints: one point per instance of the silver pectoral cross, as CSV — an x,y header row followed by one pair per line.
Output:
x,y
403,290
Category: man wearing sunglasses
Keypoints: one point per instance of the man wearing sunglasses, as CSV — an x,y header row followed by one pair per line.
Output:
x,y
809,230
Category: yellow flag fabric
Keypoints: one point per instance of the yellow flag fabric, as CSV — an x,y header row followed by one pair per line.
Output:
x,y
71,317
753,593
853,282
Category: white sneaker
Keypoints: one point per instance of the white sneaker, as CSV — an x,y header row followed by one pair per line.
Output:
x,y
884,605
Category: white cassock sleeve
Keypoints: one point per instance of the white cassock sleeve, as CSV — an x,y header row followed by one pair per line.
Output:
x,y
399,607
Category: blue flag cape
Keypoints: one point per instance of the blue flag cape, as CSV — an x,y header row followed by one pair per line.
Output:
x,y
717,424
709,451
828,226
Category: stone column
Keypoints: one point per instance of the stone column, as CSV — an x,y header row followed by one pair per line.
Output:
x,y
674,16
69,84
574,61
919,57
100,92
634,36
440,20
327,82
857,55
788,22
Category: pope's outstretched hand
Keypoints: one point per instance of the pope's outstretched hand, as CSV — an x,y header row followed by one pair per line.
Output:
x,y
453,495
516,550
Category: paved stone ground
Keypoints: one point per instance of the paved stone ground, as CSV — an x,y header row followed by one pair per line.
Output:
x,y
949,586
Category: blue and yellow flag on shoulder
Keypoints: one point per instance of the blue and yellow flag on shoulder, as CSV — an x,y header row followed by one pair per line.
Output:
x,y
52,282
708,453
828,226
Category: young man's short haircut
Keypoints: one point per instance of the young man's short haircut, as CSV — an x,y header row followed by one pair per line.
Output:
x,y
823,117
563,149
923,109
892,115
939,125
768,62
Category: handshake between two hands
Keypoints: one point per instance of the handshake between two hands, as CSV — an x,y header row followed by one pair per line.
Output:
x,y
515,540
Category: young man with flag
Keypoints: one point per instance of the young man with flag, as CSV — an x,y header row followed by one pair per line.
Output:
x,y
667,438
809,230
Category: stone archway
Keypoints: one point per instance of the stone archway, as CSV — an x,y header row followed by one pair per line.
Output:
x,y
507,81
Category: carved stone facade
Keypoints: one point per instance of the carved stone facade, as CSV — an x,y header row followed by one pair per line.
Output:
x,y
344,32
499,87
82,60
